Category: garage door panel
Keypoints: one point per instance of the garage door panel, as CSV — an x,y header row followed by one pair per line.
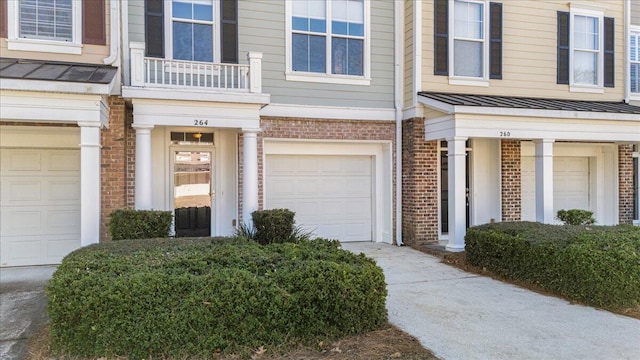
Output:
x,y
40,205
331,195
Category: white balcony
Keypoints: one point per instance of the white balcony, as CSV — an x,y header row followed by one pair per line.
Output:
x,y
148,72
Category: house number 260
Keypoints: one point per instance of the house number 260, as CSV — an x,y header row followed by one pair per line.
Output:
x,y
197,122
505,133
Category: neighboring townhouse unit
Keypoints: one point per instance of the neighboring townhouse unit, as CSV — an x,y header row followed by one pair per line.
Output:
x,y
243,105
513,111
56,82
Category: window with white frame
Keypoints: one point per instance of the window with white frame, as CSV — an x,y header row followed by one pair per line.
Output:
x,y
469,37
586,50
634,61
328,38
192,23
45,25
45,19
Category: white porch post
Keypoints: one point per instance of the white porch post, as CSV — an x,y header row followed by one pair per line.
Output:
x,y
457,193
249,174
544,180
89,183
143,167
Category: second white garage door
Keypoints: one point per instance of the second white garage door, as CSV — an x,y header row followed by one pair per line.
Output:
x,y
331,195
571,185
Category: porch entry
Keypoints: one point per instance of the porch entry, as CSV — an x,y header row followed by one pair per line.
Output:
x,y
193,193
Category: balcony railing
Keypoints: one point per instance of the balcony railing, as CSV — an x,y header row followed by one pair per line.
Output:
x,y
166,73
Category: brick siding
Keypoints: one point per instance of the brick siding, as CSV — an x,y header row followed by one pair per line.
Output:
x,y
419,185
511,180
625,184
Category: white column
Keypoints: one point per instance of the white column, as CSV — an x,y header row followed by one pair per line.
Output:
x,y
457,193
249,174
143,199
544,181
137,63
255,71
89,183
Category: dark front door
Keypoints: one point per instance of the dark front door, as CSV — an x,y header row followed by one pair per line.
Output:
x,y
192,193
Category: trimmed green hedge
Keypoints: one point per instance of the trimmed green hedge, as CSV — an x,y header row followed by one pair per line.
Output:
x,y
273,226
192,297
596,265
139,224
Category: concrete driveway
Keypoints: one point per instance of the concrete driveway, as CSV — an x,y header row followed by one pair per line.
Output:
x,y
459,315
22,307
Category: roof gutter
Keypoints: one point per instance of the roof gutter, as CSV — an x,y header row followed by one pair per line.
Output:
x,y
398,94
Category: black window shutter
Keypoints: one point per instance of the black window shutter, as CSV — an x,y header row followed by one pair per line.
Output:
x,y
609,67
229,31
495,41
441,37
153,28
563,47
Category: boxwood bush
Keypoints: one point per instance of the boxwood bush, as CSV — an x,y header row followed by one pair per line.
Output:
x,y
596,265
139,224
192,297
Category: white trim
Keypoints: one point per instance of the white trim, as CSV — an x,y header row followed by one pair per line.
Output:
x,y
14,42
413,112
417,53
54,107
382,223
470,81
194,95
327,112
636,30
327,77
576,87
58,86
586,89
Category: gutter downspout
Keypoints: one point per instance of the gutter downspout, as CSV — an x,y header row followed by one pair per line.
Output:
x,y
398,102
114,21
627,51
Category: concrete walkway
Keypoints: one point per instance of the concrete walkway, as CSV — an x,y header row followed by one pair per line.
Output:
x,y
22,307
459,315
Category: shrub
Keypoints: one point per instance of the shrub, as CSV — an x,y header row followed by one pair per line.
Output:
x,y
576,217
188,298
139,224
275,226
597,265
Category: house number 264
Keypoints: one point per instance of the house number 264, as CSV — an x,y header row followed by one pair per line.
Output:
x,y
197,122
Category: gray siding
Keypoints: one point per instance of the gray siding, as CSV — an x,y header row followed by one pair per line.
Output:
x,y
635,12
261,27
136,20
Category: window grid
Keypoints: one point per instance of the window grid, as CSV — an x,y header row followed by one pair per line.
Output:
x,y
328,37
468,38
586,50
193,30
635,62
46,20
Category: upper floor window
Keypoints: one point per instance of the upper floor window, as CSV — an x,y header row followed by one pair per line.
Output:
x,y
192,25
54,25
328,41
46,19
634,61
585,50
192,30
468,41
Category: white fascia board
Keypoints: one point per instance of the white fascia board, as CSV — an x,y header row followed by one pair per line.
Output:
x,y
327,112
57,86
195,114
53,107
130,92
515,128
437,105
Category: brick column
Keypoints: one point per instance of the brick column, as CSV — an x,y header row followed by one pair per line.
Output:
x,y
113,157
625,184
511,180
419,185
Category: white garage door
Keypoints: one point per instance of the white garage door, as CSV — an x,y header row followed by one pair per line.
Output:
x,y
39,205
570,185
330,195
